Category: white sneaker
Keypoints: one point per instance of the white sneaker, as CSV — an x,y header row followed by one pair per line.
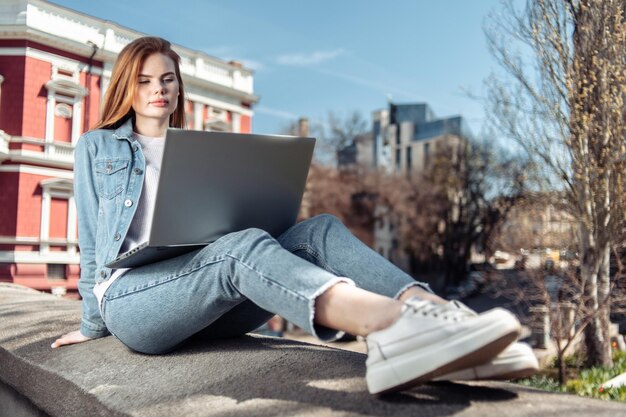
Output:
x,y
514,362
429,340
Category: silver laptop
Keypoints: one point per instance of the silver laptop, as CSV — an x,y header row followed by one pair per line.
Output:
x,y
214,183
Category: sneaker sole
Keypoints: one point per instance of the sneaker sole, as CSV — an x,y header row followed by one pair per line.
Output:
x,y
471,375
514,367
466,350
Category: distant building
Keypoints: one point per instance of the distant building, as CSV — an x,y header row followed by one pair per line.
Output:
x,y
55,65
413,134
403,140
540,222
358,153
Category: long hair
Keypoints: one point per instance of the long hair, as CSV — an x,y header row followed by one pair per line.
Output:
x,y
118,100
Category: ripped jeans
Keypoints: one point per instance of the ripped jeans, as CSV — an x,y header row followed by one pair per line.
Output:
x,y
235,284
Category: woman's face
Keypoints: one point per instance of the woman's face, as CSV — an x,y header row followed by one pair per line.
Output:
x,y
156,95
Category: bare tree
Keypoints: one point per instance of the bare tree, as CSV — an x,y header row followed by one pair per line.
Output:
x,y
489,185
338,133
457,204
349,194
341,131
557,304
334,134
562,100
349,191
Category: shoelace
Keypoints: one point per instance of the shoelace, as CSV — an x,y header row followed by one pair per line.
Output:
x,y
460,306
446,311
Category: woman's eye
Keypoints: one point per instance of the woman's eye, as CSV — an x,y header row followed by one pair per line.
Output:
x,y
144,82
168,80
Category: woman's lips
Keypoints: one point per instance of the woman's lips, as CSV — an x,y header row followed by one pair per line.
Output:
x,y
159,103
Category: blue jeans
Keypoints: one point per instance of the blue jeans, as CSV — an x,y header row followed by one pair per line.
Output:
x,y
235,284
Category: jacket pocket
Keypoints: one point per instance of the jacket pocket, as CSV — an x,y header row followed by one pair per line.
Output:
x,y
110,176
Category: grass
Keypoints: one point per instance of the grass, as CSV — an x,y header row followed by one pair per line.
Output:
x,y
583,382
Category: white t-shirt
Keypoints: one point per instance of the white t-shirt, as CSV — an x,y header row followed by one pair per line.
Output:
x,y
139,228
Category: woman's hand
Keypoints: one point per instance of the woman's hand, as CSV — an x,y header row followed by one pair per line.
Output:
x,y
70,338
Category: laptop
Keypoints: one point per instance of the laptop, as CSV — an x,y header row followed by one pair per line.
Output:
x,y
215,183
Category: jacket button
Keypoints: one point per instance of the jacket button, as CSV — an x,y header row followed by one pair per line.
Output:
x,y
128,203
117,236
138,171
135,148
103,274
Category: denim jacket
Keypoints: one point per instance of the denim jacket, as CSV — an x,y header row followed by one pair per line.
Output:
x,y
108,178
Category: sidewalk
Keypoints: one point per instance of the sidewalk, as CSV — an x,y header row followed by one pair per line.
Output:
x,y
358,346
248,376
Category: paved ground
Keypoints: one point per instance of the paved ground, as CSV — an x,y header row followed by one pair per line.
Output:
x,y
351,345
249,376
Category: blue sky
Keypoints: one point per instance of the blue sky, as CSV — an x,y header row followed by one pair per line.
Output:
x,y
330,55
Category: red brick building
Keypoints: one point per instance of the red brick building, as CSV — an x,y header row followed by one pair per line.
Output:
x,y
55,65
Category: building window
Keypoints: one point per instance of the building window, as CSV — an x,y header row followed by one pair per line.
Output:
x,y
398,159
409,158
426,154
57,271
58,215
64,106
217,120
1,81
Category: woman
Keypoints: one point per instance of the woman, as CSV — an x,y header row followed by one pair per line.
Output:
x,y
316,274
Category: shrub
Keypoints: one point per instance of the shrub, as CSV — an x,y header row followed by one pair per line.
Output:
x,y
589,381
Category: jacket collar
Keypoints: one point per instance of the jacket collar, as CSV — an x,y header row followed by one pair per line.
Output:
x,y
125,131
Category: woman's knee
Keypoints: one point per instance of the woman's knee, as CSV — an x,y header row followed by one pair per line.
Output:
x,y
251,234
323,221
242,241
313,231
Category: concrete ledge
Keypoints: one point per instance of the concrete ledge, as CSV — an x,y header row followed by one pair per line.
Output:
x,y
252,375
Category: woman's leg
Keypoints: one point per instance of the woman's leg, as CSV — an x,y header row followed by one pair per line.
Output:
x,y
355,310
324,241
154,308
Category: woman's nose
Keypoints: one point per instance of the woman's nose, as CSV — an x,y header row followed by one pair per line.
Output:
x,y
159,87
